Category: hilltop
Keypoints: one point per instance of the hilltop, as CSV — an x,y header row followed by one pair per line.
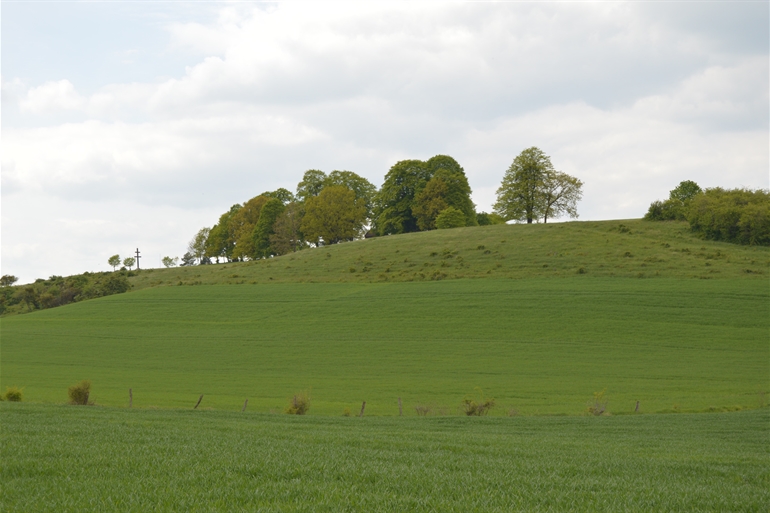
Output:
x,y
621,248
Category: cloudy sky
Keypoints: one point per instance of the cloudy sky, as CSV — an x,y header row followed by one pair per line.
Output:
x,y
134,124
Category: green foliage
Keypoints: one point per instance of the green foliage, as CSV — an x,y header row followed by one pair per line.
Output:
x,y
197,245
311,184
272,209
14,394
129,262
485,219
243,223
79,393
114,261
393,213
333,216
364,190
477,406
283,195
222,237
532,189
170,262
415,192
450,217
299,404
739,216
7,280
288,236
685,191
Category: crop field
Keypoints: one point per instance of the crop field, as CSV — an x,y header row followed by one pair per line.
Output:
x,y
538,346
79,459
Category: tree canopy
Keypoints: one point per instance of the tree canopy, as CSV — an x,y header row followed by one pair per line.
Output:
x,y
333,216
532,189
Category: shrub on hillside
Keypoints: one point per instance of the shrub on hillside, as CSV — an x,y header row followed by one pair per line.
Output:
x,y
299,404
599,404
450,217
675,207
477,407
13,394
79,392
741,216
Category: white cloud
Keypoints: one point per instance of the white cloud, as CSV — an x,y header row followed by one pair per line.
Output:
x,y
52,96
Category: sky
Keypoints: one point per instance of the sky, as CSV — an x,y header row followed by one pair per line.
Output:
x,y
134,124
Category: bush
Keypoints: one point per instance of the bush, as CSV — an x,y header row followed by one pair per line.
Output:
x,y
599,404
79,393
740,216
299,404
450,217
675,207
477,407
13,394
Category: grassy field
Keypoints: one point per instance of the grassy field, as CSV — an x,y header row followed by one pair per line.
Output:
x,y
536,345
626,248
80,459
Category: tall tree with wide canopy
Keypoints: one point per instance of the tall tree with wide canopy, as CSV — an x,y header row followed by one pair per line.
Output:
x,y
272,209
333,216
410,199
364,190
532,189
244,222
221,240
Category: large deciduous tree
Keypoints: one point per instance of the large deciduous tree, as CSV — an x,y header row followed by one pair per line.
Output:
x,y
221,240
364,190
532,189
333,216
287,236
197,245
311,185
393,213
264,227
244,222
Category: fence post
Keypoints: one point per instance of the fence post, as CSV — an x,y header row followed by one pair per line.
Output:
x,y
363,405
130,398
199,401
400,409
637,407
244,405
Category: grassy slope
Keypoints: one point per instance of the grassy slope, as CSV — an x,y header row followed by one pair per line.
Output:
x,y
94,459
537,345
600,248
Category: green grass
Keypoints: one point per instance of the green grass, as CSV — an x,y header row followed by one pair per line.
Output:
x,y
80,459
536,345
626,248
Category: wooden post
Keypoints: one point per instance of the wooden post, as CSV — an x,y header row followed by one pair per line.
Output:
x,y
244,405
130,398
363,405
199,401
86,401
400,409
637,407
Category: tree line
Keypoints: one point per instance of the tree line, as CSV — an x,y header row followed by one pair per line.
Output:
x,y
740,216
415,196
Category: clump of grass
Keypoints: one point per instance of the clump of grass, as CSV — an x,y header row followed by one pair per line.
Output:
x,y
422,410
598,406
299,404
79,392
13,394
477,407
346,412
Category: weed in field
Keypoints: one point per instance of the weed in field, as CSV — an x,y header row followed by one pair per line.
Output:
x,y
422,410
472,406
598,406
13,394
299,404
346,412
79,392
